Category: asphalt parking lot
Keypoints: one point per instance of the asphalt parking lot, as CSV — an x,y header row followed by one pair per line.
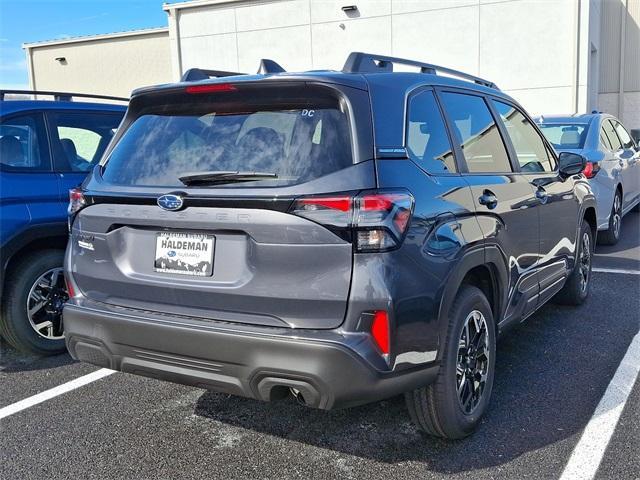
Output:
x,y
552,372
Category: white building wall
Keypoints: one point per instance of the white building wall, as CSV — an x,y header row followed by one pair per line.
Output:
x,y
619,85
536,50
112,64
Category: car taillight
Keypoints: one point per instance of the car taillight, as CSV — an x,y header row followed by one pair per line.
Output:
x,y
76,201
591,169
376,220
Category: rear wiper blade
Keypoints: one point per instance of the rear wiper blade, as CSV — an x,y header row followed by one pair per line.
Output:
x,y
219,177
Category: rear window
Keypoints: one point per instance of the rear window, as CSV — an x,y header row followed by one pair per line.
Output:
x,y
298,141
565,135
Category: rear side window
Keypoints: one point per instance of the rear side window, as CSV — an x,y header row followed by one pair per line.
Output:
x,y
623,135
529,147
565,135
23,144
80,138
611,135
296,140
604,140
478,133
427,140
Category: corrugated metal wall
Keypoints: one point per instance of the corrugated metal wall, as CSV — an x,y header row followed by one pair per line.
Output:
x,y
632,48
611,24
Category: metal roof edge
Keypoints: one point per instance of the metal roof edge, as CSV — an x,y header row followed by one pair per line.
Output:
x,y
90,38
204,3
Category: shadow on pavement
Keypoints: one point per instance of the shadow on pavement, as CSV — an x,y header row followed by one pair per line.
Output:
x,y
12,360
629,236
552,371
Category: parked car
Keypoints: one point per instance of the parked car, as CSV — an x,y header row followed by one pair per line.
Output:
x,y
613,163
46,148
342,236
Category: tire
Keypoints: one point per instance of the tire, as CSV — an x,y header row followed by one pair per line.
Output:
x,y
15,323
437,408
612,234
576,289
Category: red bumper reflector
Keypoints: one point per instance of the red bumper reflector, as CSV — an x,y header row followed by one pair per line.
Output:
x,y
70,290
380,331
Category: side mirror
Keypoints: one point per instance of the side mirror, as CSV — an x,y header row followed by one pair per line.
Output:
x,y
571,164
635,134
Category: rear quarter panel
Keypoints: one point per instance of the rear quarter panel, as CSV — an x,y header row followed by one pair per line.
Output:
x,y
443,230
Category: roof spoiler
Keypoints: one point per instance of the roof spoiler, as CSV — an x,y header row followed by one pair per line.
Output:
x,y
197,74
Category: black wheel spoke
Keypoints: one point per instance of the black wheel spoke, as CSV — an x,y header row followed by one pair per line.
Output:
x,y
472,361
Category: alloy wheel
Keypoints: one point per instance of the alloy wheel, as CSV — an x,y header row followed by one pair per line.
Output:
x,y
617,215
46,298
585,262
472,367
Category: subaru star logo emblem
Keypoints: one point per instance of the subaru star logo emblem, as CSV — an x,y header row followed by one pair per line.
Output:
x,y
170,202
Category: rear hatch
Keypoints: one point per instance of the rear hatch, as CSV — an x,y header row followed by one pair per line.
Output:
x,y
190,213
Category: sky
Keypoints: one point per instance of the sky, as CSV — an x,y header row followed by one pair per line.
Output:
x,y
26,21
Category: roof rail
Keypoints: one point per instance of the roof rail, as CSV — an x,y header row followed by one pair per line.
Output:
x,y
195,74
359,62
60,96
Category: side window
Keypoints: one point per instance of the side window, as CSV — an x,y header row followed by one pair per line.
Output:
x,y
611,135
427,140
79,139
480,139
624,136
23,144
529,146
604,140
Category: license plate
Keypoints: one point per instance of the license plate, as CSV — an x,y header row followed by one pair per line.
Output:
x,y
184,253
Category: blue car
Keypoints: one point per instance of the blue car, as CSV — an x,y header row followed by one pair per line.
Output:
x,y
47,147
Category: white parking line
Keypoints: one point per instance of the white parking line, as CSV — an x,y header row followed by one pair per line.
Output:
x,y
616,270
54,392
588,453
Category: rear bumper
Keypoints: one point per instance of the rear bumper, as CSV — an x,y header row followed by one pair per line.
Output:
x,y
330,369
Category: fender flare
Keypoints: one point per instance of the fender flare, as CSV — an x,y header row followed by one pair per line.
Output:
x,y
588,202
43,231
482,256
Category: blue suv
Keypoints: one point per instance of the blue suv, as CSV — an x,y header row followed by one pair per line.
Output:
x,y
46,148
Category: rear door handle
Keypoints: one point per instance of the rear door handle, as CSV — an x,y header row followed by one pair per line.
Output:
x,y
488,199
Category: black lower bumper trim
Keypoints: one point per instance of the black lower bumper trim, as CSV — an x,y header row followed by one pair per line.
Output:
x,y
326,375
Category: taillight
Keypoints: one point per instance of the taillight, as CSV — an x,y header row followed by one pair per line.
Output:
x,y
375,220
76,201
380,331
211,88
591,169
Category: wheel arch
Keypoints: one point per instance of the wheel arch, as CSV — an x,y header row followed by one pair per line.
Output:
x,y
483,268
37,237
590,217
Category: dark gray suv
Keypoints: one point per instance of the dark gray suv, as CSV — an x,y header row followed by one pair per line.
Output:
x,y
340,236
